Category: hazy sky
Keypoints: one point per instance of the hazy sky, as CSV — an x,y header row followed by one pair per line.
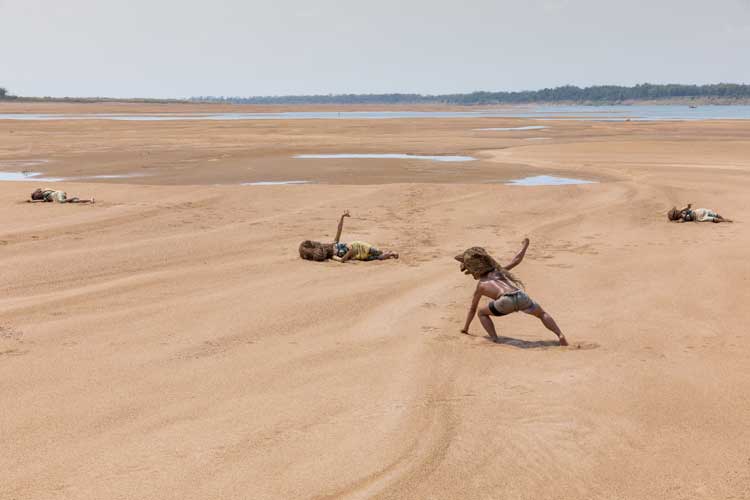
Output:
x,y
182,48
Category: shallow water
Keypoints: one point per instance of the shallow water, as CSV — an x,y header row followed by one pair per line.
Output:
x,y
547,180
273,183
390,156
503,129
27,177
106,176
585,113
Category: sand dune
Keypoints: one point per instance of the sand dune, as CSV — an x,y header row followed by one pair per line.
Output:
x,y
167,342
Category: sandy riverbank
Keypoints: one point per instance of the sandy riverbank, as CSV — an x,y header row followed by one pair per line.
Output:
x,y
168,343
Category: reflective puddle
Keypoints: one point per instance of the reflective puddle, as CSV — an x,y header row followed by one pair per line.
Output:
x,y
390,156
273,183
107,176
27,177
547,180
504,129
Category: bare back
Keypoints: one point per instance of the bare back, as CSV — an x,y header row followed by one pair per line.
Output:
x,y
494,284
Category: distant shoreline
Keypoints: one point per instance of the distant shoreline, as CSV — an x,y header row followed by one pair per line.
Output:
x,y
598,95
686,101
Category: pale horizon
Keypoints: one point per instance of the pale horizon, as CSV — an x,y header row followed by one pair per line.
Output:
x,y
171,49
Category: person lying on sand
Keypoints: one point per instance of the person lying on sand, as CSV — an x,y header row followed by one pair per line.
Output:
x,y
50,195
504,290
342,252
688,214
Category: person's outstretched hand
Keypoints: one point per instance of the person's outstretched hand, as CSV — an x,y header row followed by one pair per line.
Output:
x,y
346,214
526,242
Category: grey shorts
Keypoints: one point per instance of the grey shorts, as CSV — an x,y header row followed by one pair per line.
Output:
x,y
510,303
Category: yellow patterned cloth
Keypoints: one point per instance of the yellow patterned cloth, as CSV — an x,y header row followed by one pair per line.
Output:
x,y
360,250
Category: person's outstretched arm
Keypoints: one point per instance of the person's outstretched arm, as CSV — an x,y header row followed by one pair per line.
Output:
x,y
348,255
519,257
341,227
472,309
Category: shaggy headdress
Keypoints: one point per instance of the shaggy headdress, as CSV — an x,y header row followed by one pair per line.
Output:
x,y
478,262
315,250
673,214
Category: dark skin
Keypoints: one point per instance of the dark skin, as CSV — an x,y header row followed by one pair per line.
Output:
x,y
341,226
494,285
348,255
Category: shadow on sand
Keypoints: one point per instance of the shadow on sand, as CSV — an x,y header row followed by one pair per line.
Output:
x,y
524,344
518,343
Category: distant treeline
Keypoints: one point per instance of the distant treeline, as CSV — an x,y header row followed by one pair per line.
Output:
x,y
569,93
598,94
5,95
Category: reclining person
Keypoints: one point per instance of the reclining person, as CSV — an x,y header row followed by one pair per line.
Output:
x,y
50,195
504,290
688,214
342,252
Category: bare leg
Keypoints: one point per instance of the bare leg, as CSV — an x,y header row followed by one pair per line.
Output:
x,y
484,318
388,255
719,218
78,200
548,321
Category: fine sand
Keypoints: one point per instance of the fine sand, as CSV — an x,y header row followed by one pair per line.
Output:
x,y
168,343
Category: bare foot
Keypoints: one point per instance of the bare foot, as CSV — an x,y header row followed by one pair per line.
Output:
x,y
563,340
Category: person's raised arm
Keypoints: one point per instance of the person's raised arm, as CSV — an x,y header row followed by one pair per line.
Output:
x,y
472,310
519,256
341,227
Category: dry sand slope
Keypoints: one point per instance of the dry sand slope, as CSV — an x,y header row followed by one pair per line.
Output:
x,y
167,343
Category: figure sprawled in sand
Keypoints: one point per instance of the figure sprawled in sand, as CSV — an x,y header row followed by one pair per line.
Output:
x,y
50,195
504,290
690,214
342,252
